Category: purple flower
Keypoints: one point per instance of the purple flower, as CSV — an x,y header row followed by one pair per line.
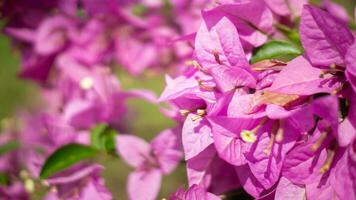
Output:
x,y
194,192
151,162
287,190
57,31
335,9
291,8
220,53
210,172
79,182
14,191
325,38
307,80
253,20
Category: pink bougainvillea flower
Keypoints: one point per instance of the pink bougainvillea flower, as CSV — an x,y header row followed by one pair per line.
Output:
x,y
89,91
219,46
291,8
79,182
259,142
307,80
249,181
14,191
190,91
336,10
151,162
57,31
189,10
350,63
266,155
227,140
337,179
194,192
34,66
347,127
253,19
319,163
196,136
287,190
95,38
134,47
55,132
302,164
210,172
342,179
325,38
219,52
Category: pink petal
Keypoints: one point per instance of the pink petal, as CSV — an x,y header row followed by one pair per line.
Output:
x,y
336,10
341,178
56,31
350,60
288,190
144,185
301,78
196,136
286,7
227,141
302,165
76,176
92,190
196,192
199,167
229,78
132,149
167,149
249,181
222,40
324,38
242,14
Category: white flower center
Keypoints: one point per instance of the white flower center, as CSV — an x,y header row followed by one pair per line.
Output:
x,y
86,83
248,136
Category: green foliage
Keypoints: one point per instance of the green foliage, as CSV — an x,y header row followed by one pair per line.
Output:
x,y
13,91
275,49
139,10
8,147
65,157
103,138
4,179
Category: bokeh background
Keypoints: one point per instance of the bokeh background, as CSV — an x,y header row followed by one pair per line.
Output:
x,y
145,119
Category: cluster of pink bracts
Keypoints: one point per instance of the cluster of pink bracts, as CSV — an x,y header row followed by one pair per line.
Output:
x,y
282,128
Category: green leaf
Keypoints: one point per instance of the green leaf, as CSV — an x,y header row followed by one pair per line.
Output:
x,y
139,10
96,132
103,138
275,49
4,179
291,33
9,146
65,157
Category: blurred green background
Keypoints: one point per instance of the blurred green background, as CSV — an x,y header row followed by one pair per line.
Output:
x,y
146,122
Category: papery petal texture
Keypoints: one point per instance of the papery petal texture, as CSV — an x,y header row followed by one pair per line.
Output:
x,y
196,136
219,45
301,78
227,141
144,185
132,149
288,190
324,38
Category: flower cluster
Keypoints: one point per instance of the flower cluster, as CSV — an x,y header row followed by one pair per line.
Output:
x,y
263,93
73,50
279,128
